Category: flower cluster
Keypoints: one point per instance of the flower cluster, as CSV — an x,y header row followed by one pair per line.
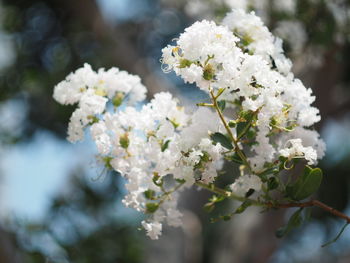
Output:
x,y
91,90
290,20
245,59
145,146
259,116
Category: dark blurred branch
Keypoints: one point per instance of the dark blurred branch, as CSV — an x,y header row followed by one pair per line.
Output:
x,y
340,110
325,79
8,252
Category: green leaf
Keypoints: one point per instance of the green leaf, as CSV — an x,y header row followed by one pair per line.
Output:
x,y
243,207
272,183
149,194
307,184
251,134
173,122
241,127
118,99
294,221
271,170
212,201
220,91
93,119
226,217
165,145
222,105
208,72
209,207
235,158
338,236
232,124
155,179
107,161
217,199
151,207
124,140
180,181
218,137
185,63
244,125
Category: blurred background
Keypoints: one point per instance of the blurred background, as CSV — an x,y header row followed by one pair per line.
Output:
x,y
58,205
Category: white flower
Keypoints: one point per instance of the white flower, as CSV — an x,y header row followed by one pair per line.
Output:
x,y
244,183
296,149
72,88
153,229
251,27
202,52
76,125
101,138
92,104
161,147
192,74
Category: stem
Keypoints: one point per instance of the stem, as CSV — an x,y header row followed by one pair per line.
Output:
x,y
227,194
167,194
310,203
331,210
338,236
241,154
235,142
214,189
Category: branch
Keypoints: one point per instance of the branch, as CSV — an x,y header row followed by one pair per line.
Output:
x,y
222,118
311,203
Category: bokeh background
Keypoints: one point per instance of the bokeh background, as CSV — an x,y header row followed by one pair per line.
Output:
x,y
58,205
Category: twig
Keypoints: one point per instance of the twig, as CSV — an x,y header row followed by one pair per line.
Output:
x,y
222,118
310,203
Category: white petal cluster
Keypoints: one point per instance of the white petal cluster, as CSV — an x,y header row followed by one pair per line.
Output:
x,y
245,183
242,56
157,141
259,39
91,90
154,229
197,65
296,149
161,149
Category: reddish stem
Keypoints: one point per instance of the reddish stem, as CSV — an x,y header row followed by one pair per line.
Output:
x,y
310,204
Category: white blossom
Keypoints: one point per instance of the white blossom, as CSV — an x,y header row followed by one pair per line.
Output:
x,y
244,183
162,149
91,90
153,229
296,149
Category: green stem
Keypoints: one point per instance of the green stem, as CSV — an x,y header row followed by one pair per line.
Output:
x,y
235,142
227,194
214,189
167,194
